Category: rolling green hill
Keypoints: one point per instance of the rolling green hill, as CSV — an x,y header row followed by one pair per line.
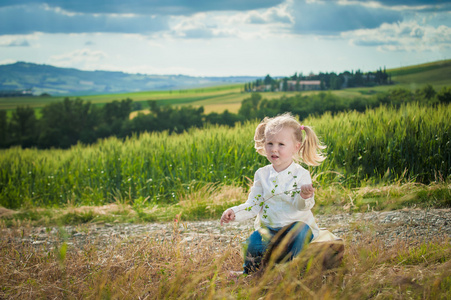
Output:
x,y
67,81
437,74
221,97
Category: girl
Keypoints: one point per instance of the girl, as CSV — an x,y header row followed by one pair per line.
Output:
x,y
282,194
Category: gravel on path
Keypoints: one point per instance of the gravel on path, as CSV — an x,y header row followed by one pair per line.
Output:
x,y
410,225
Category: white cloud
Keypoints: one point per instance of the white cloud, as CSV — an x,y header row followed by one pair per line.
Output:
x,y
18,40
7,61
203,26
81,58
405,36
262,23
15,43
196,26
278,14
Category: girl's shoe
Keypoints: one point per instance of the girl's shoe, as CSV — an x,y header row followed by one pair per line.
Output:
x,y
234,274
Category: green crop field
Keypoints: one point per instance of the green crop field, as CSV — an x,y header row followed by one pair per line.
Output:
x,y
381,145
167,97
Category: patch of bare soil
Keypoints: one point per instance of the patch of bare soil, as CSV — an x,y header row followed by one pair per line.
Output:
x,y
104,209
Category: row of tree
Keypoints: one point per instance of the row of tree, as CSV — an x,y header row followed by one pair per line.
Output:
x,y
328,81
66,123
63,124
317,104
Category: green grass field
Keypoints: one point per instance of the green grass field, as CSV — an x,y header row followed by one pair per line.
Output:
x,y
167,97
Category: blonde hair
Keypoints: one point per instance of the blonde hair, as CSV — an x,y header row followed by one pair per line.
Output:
x,y
310,150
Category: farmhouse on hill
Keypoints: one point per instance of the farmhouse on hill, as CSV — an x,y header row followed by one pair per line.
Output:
x,y
302,85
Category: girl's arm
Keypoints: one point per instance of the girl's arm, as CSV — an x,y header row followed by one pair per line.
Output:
x,y
252,206
304,200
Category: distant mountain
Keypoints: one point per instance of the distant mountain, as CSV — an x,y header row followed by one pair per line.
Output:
x,y
64,81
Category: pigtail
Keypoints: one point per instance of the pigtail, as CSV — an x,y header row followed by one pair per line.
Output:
x,y
311,148
259,137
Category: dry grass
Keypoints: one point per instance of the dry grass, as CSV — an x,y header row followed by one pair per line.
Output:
x,y
208,108
4,212
398,195
220,108
213,194
143,268
134,114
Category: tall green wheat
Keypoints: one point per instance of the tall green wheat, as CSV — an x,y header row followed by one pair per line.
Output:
x,y
381,144
388,143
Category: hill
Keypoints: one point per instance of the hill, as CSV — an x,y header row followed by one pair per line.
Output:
x,y
216,98
65,81
436,73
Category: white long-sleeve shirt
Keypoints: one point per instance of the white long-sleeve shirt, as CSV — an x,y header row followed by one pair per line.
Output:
x,y
272,200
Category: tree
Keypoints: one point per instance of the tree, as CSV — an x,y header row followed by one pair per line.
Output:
x,y
444,96
285,85
335,81
249,106
153,106
23,126
65,123
114,114
268,80
4,132
427,92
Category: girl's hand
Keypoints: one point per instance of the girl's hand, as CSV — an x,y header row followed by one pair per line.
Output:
x,y
307,191
227,216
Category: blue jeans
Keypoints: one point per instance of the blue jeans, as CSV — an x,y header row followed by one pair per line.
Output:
x,y
257,244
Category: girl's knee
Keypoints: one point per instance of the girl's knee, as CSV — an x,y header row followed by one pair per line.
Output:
x,y
255,244
303,236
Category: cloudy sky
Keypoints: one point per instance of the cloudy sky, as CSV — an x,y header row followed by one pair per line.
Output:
x,y
225,37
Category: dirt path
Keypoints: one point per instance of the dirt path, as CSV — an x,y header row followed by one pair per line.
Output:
x,y
412,225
